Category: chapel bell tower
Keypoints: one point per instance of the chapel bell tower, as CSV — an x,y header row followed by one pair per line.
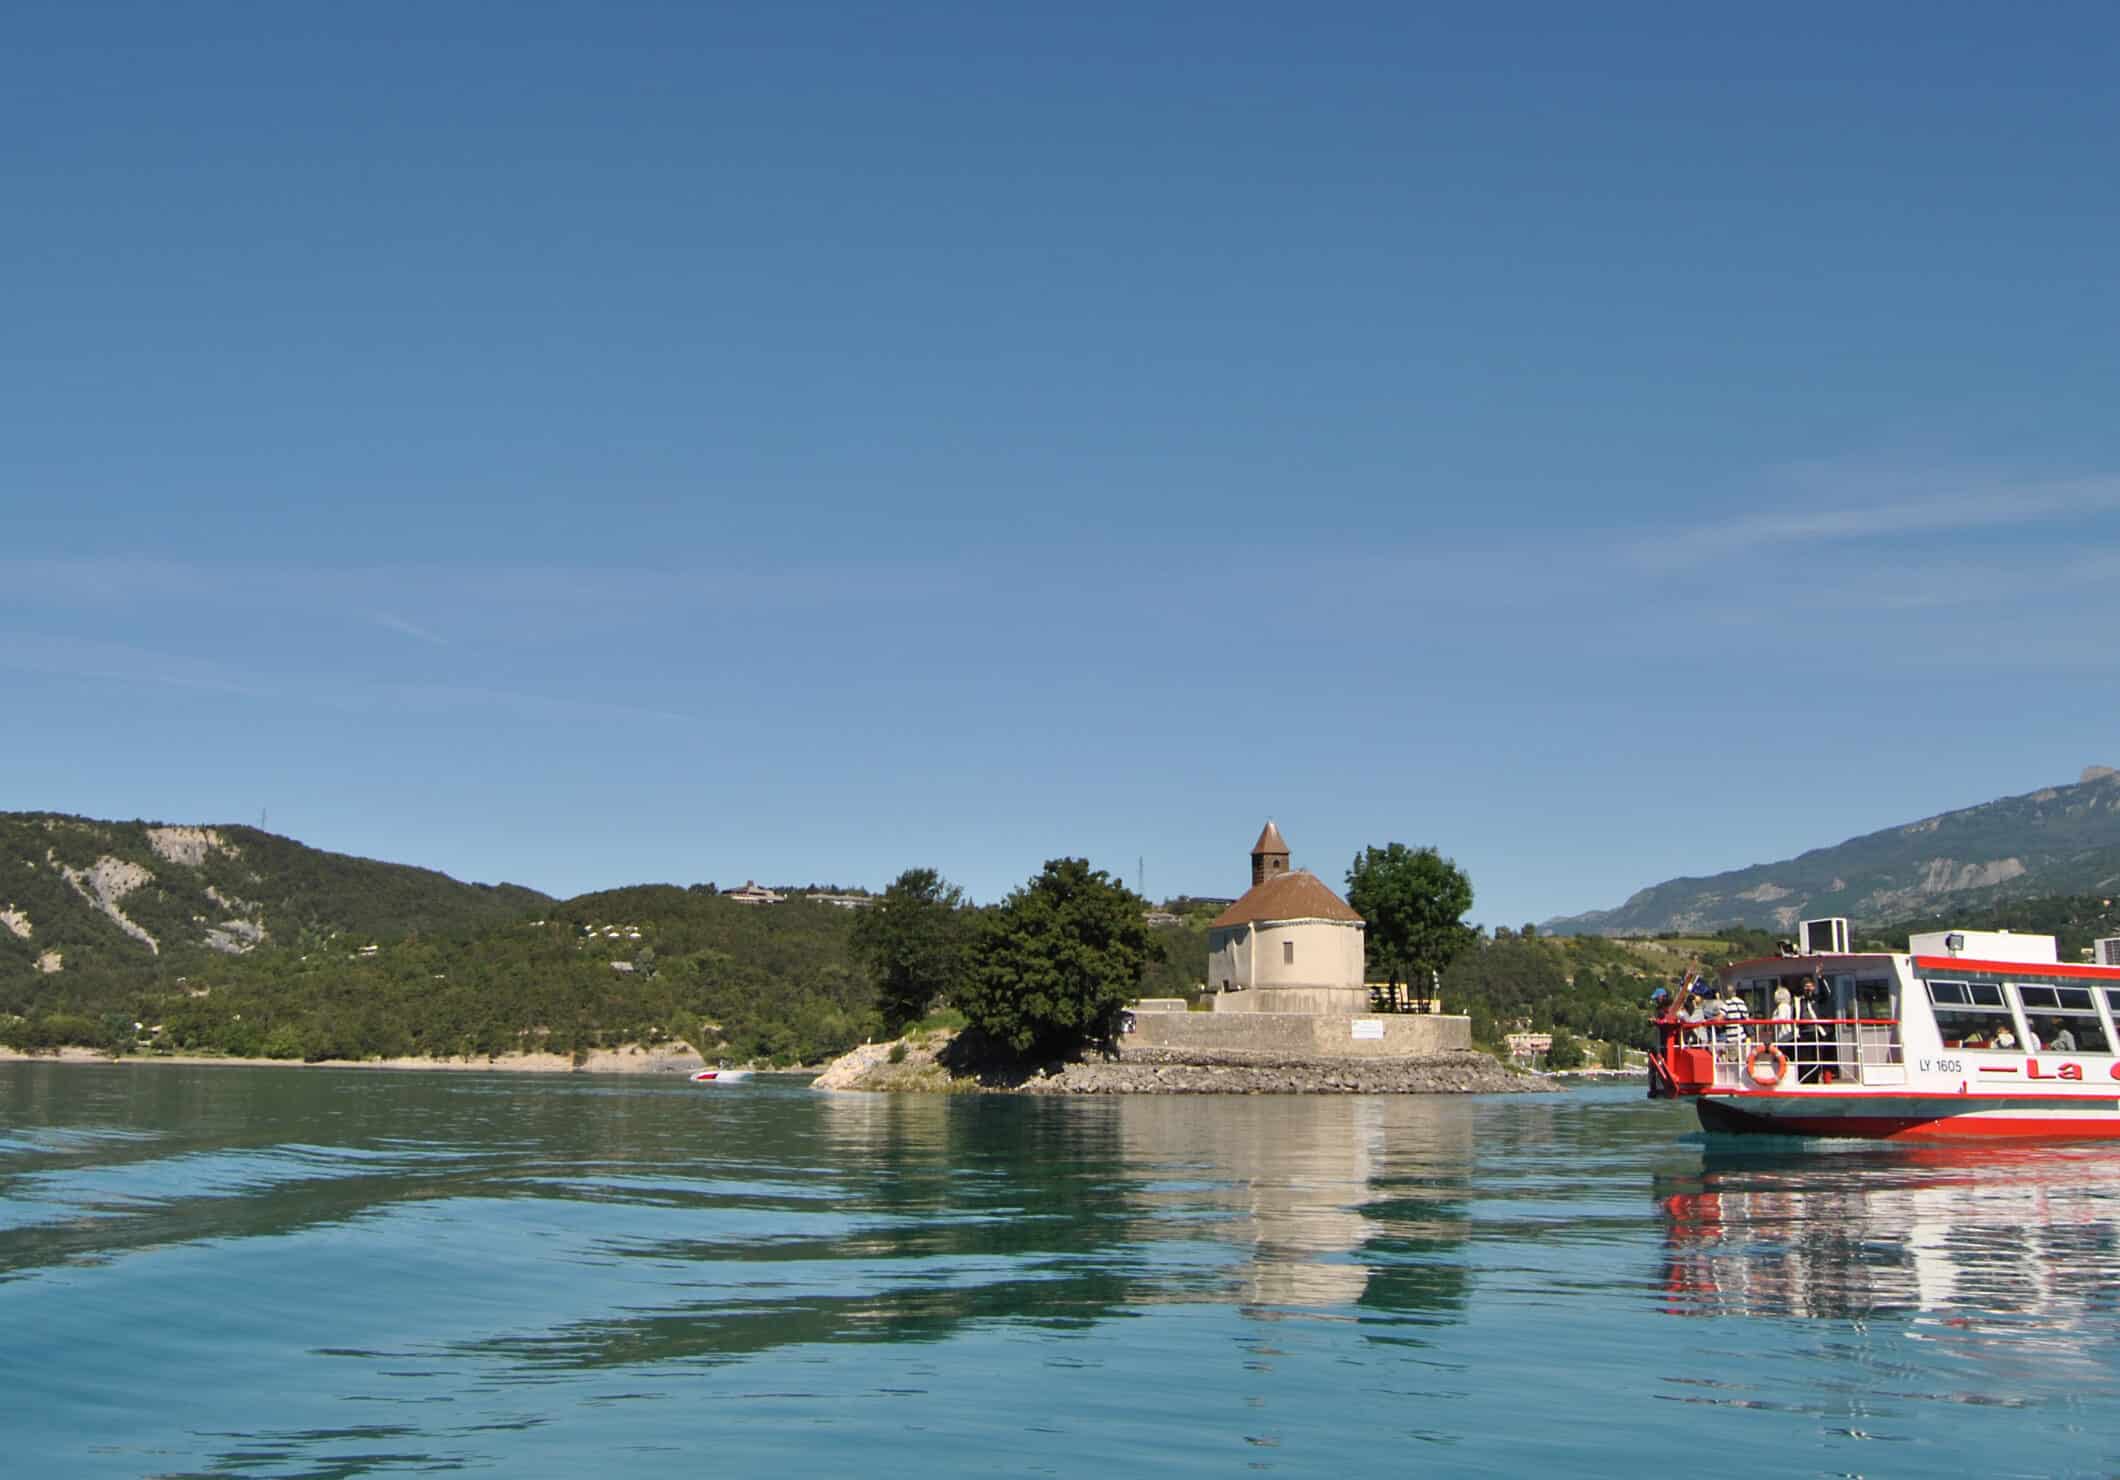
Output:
x,y
1269,856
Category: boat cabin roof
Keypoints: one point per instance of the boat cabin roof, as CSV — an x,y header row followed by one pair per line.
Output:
x,y
1794,968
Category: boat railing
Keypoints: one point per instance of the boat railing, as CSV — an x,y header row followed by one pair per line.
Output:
x,y
1720,1053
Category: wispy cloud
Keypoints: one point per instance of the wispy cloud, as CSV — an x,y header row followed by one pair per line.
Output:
x,y
408,629
1991,506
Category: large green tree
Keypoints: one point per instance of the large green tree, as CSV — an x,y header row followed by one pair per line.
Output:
x,y
1415,901
1056,960
916,942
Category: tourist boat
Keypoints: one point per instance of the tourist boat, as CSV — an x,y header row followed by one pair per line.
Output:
x,y
1967,1033
720,1076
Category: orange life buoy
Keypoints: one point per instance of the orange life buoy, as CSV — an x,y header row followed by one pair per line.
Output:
x,y
1773,1076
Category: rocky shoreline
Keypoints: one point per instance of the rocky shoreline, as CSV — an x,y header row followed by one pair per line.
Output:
x,y
922,1068
630,1060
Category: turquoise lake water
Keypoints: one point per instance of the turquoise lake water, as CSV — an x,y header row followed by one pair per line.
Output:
x,y
283,1272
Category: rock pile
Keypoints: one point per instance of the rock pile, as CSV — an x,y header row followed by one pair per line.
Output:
x,y
1169,1072
1165,1071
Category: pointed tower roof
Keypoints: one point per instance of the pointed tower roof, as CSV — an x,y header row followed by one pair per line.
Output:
x,y
1270,841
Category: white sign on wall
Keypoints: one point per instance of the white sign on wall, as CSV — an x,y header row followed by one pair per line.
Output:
x,y
1368,1027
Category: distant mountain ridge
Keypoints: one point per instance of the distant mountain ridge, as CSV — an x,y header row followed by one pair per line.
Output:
x,y
78,892
2058,840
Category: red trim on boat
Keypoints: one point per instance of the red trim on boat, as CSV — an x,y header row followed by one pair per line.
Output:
x,y
1718,1116
2017,969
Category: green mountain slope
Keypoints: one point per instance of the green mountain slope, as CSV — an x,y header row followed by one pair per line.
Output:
x,y
2063,840
77,893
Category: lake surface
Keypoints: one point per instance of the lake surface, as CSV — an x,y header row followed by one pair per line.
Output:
x,y
281,1272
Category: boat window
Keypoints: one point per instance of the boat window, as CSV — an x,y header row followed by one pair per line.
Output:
x,y
1873,997
1971,994
1970,1014
2072,999
2068,1032
2062,1019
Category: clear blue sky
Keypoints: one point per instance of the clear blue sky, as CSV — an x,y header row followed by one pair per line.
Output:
x,y
586,444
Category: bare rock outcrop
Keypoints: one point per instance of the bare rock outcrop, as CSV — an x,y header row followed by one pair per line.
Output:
x,y
104,883
190,846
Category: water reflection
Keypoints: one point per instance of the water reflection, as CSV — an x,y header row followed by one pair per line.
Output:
x,y
1972,1234
1318,1201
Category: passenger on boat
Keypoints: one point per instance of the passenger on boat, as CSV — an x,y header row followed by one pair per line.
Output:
x,y
1784,1015
2005,1039
1665,1008
1810,1037
1734,1012
2064,1040
1694,1015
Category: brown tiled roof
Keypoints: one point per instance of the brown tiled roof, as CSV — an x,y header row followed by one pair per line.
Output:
x,y
1299,895
1270,841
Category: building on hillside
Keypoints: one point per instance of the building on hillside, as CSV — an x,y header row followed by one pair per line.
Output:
x,y
843,901
1289,944
1524,1047
753,893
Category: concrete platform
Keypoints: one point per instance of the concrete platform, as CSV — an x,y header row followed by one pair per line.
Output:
x,y
1308,1034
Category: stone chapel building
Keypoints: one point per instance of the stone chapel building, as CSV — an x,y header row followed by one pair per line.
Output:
x,y
1289,945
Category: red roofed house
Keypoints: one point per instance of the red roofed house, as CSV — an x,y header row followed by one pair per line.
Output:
x,y
1289,945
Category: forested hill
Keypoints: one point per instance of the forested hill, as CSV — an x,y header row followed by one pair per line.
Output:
x,y
2063,840
132,937
78,894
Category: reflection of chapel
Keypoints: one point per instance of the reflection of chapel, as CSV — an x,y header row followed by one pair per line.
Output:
x,y
1289,945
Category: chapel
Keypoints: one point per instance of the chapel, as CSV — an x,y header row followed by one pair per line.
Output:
x,y
1289,945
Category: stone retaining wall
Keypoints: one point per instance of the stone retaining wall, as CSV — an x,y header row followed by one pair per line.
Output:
x,y
1302,1034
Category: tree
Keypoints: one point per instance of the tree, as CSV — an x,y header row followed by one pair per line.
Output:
x,y
915,941
1057,960
1566,1052
1415,902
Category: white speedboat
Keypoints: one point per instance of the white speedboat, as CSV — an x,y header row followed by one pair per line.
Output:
x,y
1966,1033
720,1076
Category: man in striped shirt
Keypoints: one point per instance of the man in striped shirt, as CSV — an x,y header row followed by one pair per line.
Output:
x,y
1734,1011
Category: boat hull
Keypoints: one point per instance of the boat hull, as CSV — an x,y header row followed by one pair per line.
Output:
x,y
1912,1117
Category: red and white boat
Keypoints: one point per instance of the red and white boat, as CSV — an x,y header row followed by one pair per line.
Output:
x,y
720,1076
1968,1033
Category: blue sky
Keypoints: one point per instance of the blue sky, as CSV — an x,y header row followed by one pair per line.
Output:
x,y
586,444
